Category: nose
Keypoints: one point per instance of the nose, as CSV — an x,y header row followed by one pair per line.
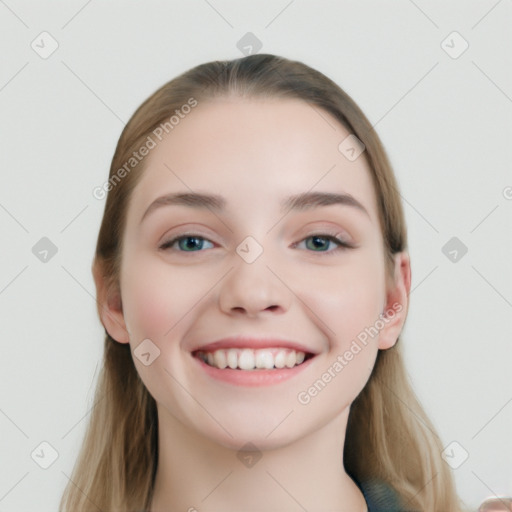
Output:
x,y
251,289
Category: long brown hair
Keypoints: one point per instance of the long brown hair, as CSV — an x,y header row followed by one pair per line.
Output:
x,y
389,437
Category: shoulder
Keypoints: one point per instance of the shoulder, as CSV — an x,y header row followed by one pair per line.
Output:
x,y
380,496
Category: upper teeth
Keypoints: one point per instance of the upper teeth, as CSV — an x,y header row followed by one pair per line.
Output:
x,y
249,359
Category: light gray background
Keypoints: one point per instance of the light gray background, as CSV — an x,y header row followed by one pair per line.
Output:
x,y
446,124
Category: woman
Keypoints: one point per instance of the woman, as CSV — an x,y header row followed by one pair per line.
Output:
x,y
253,280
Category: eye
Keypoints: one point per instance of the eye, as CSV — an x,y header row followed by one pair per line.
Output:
x,y
320,243
187,243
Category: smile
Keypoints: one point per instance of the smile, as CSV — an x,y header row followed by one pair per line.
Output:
x,y
252,359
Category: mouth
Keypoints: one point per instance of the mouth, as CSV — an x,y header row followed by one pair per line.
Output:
x,y
247,359
252,361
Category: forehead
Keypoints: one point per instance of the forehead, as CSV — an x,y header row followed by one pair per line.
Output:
x,y
252,150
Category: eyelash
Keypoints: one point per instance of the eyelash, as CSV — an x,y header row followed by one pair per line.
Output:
x,y
342,245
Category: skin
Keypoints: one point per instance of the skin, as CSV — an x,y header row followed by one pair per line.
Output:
x,y
254,152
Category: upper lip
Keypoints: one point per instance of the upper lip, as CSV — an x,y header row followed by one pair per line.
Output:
x,y
254,343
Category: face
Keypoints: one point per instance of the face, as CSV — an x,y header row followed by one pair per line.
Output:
x,y
255,307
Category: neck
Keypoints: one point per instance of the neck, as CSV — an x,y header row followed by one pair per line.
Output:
x,y
195,473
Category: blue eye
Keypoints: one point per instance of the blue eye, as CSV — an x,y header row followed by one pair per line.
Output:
x,y
321,243
187,243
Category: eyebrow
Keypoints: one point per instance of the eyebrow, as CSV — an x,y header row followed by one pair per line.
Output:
x,y
298,202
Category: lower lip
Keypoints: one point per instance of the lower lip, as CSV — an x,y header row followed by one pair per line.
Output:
x,y
252,377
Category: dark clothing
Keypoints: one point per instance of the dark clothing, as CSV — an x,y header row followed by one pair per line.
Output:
x,y
380,497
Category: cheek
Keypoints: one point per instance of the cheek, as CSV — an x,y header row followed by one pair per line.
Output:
x,y
348,301
158,297
348,298
159,300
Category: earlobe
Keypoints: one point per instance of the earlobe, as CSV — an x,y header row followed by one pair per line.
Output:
x,y
109,306
397,302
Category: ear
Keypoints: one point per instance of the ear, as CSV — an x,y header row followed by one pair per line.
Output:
x,y
110,308
397,301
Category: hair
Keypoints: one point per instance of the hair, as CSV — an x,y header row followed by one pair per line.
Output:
x,y
389,436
